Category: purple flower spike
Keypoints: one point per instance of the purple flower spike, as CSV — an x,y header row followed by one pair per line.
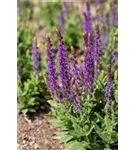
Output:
x,y
113,54
35,56
97,51
109,91
114,14
88,64
52,78
74,96
87,19
75,69
63,67
62,19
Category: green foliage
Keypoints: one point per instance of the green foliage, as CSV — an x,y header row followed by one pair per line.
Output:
x,y
112,32
31,88
73,31
26,10
24,46
49,13
31,94
94,128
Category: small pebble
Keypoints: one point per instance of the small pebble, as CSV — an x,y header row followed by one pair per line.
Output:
x,y
24,142
36,146
31,143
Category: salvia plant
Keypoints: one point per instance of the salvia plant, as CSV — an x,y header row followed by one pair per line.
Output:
x,y
32,92
84,105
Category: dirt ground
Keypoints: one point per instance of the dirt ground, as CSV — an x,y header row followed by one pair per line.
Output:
x,y
36,134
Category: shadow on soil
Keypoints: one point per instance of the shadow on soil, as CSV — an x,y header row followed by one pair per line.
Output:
x,y
44,109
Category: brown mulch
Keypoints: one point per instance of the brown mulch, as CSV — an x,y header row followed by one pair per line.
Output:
x,y
36,134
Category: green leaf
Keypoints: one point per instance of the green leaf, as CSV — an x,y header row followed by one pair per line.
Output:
x,y
31,110
116,75
64,138
107,149
116,95
26,86
114,137
89,131
24,93
24,111
31,101
52,103
100,133
108,124
78,129
96,146
99,117
74,134
57,122
74,145
21,104
104,81
85,144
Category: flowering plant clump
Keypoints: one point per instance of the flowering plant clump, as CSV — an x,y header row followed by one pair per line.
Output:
x,y
86,106
85,110
31,88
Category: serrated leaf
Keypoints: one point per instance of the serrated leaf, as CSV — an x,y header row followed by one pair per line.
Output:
x,y
57,122
78,129
100,133
64,138
74,145
108,124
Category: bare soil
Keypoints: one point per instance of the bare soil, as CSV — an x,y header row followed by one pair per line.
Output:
x,y
36,134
